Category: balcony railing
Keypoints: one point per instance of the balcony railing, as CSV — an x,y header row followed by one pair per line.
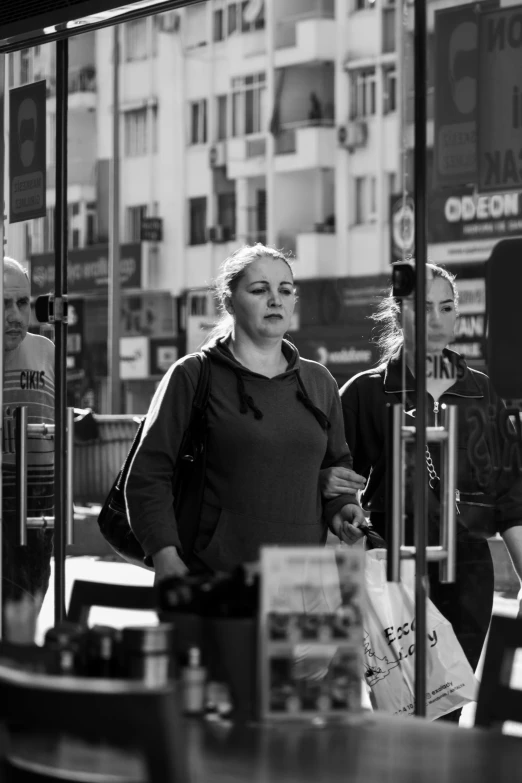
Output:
x,y
79,80
286,139
286,29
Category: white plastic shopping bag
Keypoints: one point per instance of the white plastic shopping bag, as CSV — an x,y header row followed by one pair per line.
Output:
x,y
389,649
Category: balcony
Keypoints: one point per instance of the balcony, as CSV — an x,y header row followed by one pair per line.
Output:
x,y
316,253
246,156
81,87
305,145
305,38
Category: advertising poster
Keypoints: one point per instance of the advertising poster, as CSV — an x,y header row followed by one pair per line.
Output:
x,y
311,631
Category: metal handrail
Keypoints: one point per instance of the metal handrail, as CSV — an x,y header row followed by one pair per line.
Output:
x,y
23,430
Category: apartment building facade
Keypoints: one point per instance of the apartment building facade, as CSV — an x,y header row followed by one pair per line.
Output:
x,y
280,121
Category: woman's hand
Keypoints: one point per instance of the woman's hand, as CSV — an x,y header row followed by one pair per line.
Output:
x,y
338,481
346,523
168,563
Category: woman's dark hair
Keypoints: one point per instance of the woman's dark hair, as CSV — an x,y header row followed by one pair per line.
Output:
x,y
386,316
230,273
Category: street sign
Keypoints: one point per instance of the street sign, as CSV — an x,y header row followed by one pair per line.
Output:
x,y
27,149
456,72
500,100
151,229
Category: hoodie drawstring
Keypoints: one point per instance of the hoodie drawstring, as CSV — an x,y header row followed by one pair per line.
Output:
x,y
302,396
245,399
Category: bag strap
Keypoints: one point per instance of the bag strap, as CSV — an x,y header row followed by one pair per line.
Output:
x,y
202,392
122,476
199,404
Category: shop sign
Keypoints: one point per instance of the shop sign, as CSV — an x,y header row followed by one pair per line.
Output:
x,y
134,358
402,227
27,149
456,93
151,229
500,100
470,329
163,354
465,227
75,334
87,269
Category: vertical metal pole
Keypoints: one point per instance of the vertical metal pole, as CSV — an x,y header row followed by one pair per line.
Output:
x,y
60,328
21,419
69,472
394,496
421,498
3,95
114,293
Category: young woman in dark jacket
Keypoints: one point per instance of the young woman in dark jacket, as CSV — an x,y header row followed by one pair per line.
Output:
x,y
489,480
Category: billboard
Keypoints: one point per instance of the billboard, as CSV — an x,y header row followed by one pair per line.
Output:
x,y
27,147
87,269
500,100
456,74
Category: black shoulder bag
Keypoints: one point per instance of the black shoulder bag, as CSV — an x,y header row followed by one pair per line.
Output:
x,y
187,483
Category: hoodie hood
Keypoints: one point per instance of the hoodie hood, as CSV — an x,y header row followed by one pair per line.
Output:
x,y
221,353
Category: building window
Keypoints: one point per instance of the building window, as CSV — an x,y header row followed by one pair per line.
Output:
x,y
226,214
25,66
136,133
360,194
133,222
362,5
248,104
222,124
231,18
363,93
135,39
198,220
372,200
390,90
249,24
365,201
198,122
49,230
219,25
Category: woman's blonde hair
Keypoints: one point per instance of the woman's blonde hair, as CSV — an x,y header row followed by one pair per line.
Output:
x,y
391,337
230,273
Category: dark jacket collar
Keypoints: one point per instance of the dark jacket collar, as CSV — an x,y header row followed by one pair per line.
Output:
x,y
465,386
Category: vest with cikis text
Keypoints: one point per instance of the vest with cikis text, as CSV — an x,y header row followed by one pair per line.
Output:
x,y
29,380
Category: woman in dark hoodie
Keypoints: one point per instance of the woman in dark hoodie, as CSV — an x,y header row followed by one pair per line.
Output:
x,y
489,482
274,421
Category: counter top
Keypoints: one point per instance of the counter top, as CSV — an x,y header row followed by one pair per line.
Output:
x,y
372,748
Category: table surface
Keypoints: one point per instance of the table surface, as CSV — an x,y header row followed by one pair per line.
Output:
x,y
373,748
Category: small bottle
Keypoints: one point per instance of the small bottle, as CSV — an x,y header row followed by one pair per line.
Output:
x,y
193,678
66,640
102,652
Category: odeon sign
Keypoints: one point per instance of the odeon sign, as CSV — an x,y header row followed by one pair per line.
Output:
x,y
464,208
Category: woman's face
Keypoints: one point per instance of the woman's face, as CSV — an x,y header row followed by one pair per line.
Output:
x,y
441,317
264,300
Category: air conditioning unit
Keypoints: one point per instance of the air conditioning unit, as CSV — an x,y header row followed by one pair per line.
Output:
x,y
169,22
219,234
217,155
353,135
